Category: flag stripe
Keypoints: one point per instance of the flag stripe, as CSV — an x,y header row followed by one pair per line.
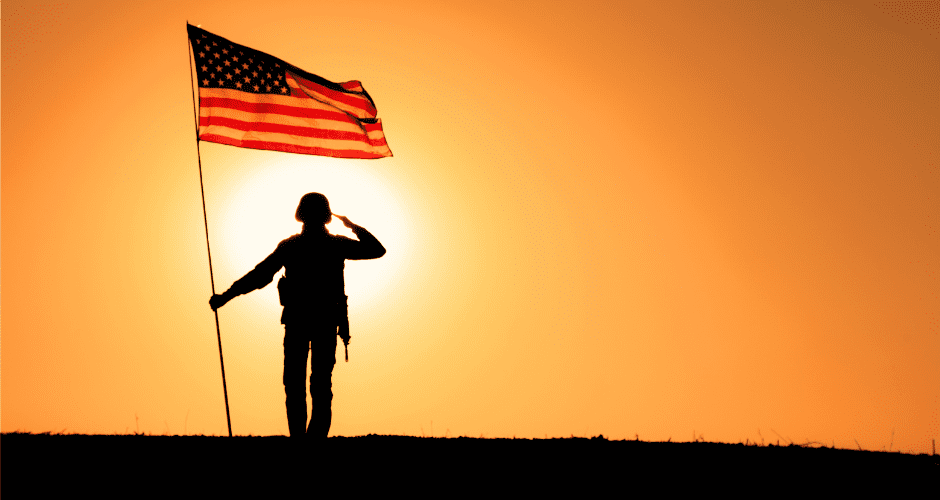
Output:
x,y
240,135
258,128
354,104
285,138
289,110
337,121
282,105
293,148
261,108
354,85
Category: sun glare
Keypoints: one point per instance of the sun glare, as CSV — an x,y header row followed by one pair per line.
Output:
x,y
259,213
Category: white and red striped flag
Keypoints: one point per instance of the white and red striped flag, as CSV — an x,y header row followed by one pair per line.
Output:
x,y
253,100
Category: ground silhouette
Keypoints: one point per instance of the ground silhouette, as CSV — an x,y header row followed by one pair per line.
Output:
x,y
33,463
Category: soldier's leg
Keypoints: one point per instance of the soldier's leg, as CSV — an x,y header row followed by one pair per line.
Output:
x,y
296,345
322,360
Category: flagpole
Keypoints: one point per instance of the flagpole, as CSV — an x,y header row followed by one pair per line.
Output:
x,y
205,220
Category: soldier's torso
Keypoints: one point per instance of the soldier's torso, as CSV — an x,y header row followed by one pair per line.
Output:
x,y
313,267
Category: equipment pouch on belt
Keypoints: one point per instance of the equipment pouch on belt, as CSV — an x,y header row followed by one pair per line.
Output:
x,y
283,290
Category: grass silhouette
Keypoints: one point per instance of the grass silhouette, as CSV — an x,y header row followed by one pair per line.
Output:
x,y
119,462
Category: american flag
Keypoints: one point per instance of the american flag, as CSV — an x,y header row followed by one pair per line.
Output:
x,y
253,100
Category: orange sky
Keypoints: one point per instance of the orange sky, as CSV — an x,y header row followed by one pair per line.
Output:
x,y
637,218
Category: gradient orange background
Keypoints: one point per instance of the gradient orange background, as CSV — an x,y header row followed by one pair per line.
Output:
x,y
637,218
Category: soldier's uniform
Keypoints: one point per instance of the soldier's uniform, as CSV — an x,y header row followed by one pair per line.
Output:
x,y
314,299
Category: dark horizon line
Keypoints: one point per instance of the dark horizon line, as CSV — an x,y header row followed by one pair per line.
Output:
x,y
600,438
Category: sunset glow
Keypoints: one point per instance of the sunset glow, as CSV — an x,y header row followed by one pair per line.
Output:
x,y
622,218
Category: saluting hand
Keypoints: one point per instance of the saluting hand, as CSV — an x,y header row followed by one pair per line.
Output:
x,y
346,221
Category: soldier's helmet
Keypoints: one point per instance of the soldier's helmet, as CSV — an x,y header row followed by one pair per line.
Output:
x,y
314,208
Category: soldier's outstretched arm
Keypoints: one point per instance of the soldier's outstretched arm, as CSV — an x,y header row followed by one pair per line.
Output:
x,y
368,247
257,278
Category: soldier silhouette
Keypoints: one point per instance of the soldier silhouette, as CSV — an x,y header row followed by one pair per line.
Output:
x,y
313,294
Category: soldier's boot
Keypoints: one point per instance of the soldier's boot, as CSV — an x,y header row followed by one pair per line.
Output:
x,y
320,427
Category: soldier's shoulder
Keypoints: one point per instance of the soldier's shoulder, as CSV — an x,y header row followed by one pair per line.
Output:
x,y
289,241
